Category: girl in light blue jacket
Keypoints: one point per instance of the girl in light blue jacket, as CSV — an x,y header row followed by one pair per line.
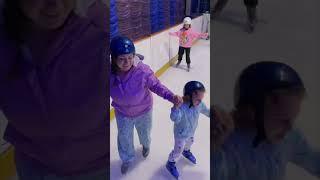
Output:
x,y
268,97
185,120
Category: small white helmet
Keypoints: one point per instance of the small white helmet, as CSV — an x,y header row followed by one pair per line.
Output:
x,y
187,20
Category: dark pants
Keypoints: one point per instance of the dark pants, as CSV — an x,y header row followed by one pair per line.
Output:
x,y
181,52
222,3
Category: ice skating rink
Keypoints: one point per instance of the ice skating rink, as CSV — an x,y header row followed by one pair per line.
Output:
x,y
287,31
153,168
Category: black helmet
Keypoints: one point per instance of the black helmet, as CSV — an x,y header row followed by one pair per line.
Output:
x,y
191,87
260,79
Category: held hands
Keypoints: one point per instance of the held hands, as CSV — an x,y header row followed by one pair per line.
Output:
x,y
177,101
223,126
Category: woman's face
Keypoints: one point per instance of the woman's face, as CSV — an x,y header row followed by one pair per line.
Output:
x,y
47,14
125,62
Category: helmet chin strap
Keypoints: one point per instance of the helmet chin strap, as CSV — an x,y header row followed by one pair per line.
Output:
x,y
191,102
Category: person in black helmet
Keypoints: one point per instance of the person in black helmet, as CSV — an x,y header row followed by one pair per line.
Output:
x,y
268,96
185,120
251,6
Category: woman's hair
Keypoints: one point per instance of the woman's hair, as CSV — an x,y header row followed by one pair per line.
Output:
x,y
114,66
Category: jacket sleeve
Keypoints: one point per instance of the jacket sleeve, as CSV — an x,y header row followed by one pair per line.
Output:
x,y
304,155
204,110
177,34
156,86
197,35
175,114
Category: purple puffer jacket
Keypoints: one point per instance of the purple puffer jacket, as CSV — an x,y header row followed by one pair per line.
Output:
x,y
132,95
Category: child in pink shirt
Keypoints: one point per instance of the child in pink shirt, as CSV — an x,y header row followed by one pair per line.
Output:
x,y
186,37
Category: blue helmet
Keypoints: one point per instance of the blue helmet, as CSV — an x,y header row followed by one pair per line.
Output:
x,y
121,45
257,81
191,87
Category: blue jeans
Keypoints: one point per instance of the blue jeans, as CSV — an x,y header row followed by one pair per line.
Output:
x,y
126,126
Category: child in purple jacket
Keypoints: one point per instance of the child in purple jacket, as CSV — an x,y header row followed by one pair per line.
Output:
x,y
131,84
